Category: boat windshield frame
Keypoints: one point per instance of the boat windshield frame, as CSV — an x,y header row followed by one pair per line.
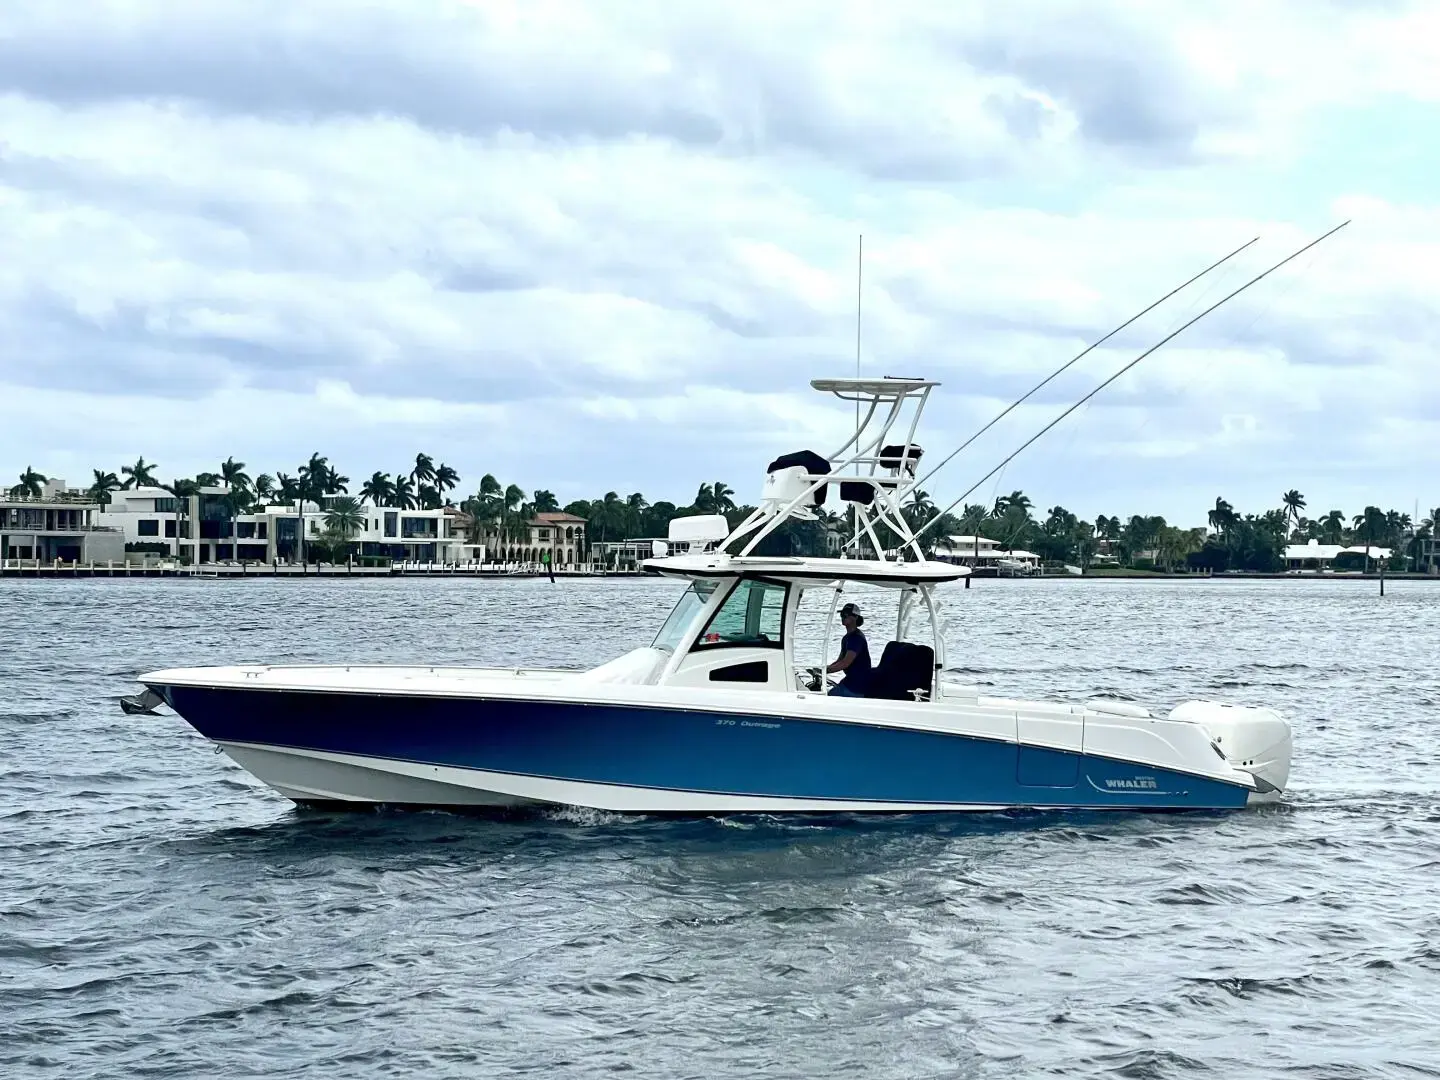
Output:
x,y
693,604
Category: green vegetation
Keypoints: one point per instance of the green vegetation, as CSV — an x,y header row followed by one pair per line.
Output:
x,y
501,513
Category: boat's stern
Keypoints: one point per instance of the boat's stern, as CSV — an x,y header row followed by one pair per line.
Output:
x,y
1252,739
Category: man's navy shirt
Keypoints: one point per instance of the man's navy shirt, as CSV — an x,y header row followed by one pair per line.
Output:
x,y
857,675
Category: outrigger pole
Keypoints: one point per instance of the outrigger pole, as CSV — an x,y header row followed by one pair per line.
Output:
x,y
1168,337
1078,357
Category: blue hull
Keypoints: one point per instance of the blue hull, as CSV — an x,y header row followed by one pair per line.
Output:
x,y
692,751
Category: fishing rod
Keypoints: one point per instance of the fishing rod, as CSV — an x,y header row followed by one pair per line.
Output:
x,y
1168,337
1080,356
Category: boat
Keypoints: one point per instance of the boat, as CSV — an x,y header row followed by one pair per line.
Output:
x,y
724,711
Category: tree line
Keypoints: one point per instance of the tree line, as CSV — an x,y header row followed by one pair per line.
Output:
x,y
500,513
1232,541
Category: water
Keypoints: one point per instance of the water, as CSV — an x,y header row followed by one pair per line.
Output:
x,y
163,916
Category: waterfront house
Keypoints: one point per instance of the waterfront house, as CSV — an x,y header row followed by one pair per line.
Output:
x,y
981,551
1315,556
205,529
562,535
56,524
623,554
1427,554
557,534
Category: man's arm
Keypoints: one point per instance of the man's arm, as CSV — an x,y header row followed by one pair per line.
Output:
x,y
843,663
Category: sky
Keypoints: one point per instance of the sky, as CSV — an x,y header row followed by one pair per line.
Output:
x,y
591,247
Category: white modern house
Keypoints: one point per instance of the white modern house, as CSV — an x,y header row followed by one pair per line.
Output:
x,y
981,551
205,530
56,524
1315,556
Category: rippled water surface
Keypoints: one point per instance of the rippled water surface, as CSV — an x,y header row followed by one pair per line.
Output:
x,y
161,915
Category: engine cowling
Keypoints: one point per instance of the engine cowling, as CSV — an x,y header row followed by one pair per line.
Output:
x,y
1252,738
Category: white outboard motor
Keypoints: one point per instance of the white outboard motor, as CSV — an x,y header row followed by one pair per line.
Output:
x,y
1256,740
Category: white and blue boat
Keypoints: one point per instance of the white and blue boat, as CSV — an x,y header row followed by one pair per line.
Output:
x,y
723,712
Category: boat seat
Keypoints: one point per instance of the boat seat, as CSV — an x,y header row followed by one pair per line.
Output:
x,y
904,666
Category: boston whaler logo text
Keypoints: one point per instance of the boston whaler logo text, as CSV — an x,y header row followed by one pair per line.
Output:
x,y
1140,783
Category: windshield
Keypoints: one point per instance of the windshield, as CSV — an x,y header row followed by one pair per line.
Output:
x,y
754,614
692,600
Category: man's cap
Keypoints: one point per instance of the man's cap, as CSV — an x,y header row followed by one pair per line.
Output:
x,y
852,609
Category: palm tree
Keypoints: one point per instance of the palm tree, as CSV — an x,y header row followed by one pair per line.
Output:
x,y
30,484
182,491
105,485
512,506
1332,527
973,519
308,485
314,480
344,518
1084,545
1222,516
378,489
485,509
607,516
233,474
722,496
918,514
490,487
1293,502
404,492
1370,526
635,505
236,499
264,486
207,479
704,499
445,479
1173,544
424,470
139,475
546,503
429,497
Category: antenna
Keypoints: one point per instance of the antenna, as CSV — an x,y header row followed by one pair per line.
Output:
x,y
1168,337
1077,357
859,282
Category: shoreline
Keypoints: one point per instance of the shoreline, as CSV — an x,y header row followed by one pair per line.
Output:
x,y
372,573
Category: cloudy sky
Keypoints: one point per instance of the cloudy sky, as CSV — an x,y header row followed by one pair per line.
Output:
x,y
605,245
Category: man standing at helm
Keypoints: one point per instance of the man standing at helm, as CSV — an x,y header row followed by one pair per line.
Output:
x,y
854,658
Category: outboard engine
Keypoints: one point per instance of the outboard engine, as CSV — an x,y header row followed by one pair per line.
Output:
x,y
1255,740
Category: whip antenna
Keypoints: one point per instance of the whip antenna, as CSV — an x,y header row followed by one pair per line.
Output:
x,y
1168,337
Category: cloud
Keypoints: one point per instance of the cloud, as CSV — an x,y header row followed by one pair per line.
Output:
x,y
596,248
